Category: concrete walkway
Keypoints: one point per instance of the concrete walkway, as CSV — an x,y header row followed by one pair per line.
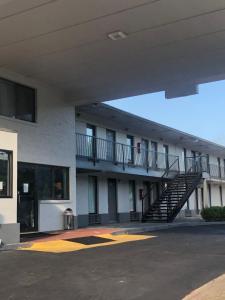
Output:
x,y
122,228
114,229
137,227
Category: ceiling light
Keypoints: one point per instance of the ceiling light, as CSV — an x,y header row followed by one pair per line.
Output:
x,y
117,35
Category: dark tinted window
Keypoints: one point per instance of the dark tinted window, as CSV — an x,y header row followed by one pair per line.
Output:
x,y
5,174
53,183
17,101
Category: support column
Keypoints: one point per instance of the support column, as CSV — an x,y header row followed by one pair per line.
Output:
x,y
205,193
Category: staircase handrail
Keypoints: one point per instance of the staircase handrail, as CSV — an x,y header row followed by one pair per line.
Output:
x,y
162,188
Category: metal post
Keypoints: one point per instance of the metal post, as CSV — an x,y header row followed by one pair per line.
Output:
x,y
123,157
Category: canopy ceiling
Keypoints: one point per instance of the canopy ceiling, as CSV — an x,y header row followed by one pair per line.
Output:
x,y
169,45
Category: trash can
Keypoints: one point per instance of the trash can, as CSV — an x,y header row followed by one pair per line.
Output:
x,y
68,219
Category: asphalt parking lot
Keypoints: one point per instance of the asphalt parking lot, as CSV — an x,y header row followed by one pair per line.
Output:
x,y
167,267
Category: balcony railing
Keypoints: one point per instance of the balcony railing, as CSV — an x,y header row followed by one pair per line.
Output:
x,y
217,172
97,149
196,164
201,164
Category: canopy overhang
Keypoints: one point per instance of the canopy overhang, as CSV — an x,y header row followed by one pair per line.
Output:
x,y
167,45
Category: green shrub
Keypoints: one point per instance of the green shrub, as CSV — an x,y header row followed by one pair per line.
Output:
x,y
214,213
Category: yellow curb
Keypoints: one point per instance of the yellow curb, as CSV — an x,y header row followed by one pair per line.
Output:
x,y
61,246
213,290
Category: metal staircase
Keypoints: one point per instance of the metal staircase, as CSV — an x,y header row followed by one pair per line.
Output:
x,y
175,194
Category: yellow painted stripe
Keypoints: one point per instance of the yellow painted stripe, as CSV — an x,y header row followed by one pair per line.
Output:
x,y
61,246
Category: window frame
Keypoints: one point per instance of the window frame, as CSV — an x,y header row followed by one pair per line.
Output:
x,y
16,84
154,153
92,138
111,145
131,145
35,166
10,175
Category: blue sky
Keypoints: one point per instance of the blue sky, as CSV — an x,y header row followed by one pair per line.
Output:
x,y
202,115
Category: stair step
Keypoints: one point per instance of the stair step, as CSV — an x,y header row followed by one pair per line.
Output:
x,y
172,198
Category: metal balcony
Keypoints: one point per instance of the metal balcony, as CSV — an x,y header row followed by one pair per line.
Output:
x,y
201,163
216,172
99,150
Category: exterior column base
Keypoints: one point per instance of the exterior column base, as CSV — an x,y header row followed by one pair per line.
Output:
x,y
10,233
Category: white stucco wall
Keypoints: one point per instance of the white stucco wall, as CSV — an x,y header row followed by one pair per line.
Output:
x,y
51,140
8,206
215,195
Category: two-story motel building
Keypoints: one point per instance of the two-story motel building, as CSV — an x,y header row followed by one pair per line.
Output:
x,y
94,159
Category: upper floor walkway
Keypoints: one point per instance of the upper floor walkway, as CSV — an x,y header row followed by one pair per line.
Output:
x,y
101,154
98,154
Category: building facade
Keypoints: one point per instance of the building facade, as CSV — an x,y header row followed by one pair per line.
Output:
x,y
121,157
96,160
44,156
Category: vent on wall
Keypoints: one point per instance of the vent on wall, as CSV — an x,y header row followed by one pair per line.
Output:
x,y
117,35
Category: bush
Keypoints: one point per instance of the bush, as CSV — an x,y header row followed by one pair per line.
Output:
x,y
215,213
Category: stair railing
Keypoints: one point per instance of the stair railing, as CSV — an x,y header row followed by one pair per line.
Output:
x,y
162,187
166,173
142,205
186,195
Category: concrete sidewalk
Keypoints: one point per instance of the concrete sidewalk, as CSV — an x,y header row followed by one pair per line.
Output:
x,y
138,227
114,229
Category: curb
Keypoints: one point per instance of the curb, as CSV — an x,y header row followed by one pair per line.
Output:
x,y
14,246
143,229
164,227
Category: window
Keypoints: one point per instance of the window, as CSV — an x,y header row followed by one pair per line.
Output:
x,y
5,174
91,144
110,145
145,151
132,195
52,182
90,130
17,101
130,149
154,147
92,195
